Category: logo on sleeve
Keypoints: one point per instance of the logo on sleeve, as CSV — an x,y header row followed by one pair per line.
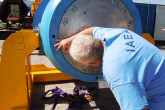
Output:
x,y
129,42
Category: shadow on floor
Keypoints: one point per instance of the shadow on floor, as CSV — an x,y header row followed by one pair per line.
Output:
x,y
104,96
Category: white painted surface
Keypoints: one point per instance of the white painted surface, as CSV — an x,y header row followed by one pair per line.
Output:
x,y
159,2
29,3
159,34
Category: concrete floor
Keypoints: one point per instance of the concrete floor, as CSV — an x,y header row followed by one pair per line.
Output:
x,y
104,97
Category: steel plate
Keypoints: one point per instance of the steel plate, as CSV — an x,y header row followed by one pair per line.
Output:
x,y
64,18
82,14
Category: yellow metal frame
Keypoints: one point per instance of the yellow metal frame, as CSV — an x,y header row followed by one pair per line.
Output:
x,y
41,73
17,75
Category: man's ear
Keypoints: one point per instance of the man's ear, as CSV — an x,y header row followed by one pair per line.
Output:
x,y
103,43
94,63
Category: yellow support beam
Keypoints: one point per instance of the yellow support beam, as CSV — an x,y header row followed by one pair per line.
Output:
x,y
41,73
17,75
14,92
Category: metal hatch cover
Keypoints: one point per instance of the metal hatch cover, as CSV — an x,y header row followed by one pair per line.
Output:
x,y
64,18
82,14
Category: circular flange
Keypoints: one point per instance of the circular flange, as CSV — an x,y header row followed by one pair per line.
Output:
x,y
64,18
82,14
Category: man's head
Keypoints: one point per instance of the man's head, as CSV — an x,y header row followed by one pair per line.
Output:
x,y
87,50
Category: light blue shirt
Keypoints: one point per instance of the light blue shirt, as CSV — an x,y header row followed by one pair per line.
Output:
x,y
133,68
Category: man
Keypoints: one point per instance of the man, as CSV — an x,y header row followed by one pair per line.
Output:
x,y
133,68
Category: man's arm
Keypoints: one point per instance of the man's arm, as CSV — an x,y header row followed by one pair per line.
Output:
x,y
88,31
66,43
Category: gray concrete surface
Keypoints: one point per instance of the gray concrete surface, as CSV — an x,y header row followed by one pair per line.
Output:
x,y
104,97
38,57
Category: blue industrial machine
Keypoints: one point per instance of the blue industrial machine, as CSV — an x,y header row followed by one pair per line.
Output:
x,y
60,19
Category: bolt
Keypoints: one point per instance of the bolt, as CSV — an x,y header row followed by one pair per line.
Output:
x,y
124,10
62,35
114,1
86,1
65,21
73,8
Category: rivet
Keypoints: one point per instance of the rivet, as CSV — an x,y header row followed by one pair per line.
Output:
x,y
124,10
73,8
62,35
65,21
114,1
86,1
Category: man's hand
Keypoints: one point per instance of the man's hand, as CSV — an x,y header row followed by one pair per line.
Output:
x,y
64,44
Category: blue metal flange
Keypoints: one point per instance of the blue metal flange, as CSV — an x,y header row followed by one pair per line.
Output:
x,y
135,15
52,25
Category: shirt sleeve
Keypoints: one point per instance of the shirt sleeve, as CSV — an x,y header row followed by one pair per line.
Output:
x,y
130,96
99,32
107,34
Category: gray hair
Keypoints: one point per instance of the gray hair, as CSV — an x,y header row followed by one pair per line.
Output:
x,y
86,49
